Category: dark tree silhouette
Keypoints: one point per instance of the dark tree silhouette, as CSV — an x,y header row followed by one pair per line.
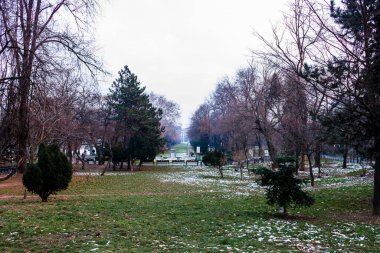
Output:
x,y
51,174
283,189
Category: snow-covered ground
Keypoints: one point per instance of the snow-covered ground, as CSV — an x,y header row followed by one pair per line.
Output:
x,y
209,179
108,173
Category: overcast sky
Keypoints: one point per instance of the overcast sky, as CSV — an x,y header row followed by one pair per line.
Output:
x,y
182,48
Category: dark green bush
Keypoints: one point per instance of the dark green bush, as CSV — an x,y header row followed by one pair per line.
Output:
x,y
119,154
286,160
52,172
283,189
215,159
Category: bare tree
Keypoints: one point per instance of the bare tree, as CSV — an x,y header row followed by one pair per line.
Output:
x,y
255,100
294,43
41,40
350,78
236,130
171,113
199,131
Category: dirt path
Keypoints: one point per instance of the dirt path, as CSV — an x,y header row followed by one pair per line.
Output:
x,y
16,180
66,196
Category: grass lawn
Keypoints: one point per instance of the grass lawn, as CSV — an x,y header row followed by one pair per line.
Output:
x,y
182,148
179,149
166,210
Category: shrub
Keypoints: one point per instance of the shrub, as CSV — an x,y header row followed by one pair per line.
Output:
x,y
52,172
215,159
283,189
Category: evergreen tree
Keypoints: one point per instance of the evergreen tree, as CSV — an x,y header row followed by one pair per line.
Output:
x,y
283,189
352,79
51,174
143,148
215,159
119,154
138,128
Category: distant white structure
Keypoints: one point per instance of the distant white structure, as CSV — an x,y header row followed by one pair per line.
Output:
x,y
184,138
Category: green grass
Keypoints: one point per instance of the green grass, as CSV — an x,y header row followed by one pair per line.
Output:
x,y
356,173
328,161
331,180
139,213
179,149
182,147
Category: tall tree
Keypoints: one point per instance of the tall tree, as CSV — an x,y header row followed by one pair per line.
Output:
x,y
137,122
170,116
257,98
352,76
199,131
38,39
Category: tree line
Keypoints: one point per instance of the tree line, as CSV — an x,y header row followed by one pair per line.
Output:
x,y
313,83
49,76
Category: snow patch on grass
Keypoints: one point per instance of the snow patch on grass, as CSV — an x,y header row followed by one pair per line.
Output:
x,y
210,180
79,173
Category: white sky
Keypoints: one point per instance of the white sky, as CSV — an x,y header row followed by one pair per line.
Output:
x,y
182,48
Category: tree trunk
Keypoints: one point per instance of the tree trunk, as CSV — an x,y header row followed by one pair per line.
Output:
x,y
345,154
297,161
311,170
106,165
302,164
70,152
133,165
32,157
23,129
221,172
271,150
140,164
24,91
317,159
376,188
284,211
44,197
21,163
80,159
261,151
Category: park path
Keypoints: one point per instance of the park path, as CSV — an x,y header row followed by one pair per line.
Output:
x,y
65,196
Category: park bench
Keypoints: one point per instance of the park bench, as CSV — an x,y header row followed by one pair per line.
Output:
x,y
178,162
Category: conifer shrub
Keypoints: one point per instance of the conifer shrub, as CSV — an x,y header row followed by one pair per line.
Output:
x,y
283,189
215,159
51,173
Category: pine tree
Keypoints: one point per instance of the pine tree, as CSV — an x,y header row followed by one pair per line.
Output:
x,y
51,174
353,80
138,126
283,189
215,159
